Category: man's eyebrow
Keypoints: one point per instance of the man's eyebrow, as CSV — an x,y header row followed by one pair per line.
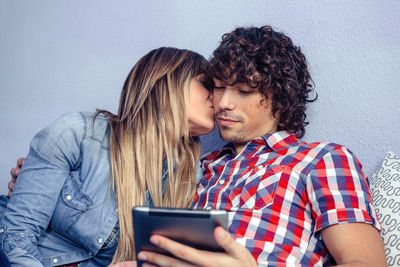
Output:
x,y
244,86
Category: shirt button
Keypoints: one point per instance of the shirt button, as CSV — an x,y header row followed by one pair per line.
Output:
x,y
100,240
260,167
55,260
21,234
69,197
221,182
1,230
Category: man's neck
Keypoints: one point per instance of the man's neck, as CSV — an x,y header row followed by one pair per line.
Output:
x,y
238,147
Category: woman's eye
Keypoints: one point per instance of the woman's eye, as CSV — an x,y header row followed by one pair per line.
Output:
x,y
208,84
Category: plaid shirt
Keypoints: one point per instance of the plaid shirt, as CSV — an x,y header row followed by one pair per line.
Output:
x,y
280,192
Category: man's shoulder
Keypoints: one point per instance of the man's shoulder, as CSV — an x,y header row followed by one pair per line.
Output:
x,y
319,149
316,153
317,146
323,147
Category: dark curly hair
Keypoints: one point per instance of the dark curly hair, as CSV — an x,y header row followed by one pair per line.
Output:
x,y
267,60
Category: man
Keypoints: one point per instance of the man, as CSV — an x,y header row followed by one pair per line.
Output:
x,y
290,202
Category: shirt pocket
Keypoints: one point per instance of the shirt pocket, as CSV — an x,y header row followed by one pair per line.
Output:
x,y
72,204
256,190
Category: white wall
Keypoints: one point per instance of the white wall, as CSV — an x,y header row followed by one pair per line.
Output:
x,y
68,55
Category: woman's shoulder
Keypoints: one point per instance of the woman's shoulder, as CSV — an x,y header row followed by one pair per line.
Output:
x,y
80,120
77,124
70,120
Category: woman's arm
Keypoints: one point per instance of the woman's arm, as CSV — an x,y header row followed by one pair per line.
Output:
x,y
53,153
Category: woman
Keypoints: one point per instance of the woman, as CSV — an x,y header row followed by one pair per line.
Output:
x,y
86,170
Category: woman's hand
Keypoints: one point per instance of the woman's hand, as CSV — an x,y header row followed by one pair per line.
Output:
x,y
14,174
234,255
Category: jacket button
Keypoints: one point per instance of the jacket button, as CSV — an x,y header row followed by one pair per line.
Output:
x,y
100,240
69,197
55,260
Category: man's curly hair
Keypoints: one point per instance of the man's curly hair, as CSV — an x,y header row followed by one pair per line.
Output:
x,y
267,60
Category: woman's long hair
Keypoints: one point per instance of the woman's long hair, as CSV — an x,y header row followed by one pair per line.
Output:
x,y
152,125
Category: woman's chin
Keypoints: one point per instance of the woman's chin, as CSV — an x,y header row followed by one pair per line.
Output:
x,y
199,131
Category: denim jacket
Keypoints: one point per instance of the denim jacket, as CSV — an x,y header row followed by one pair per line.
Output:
x,y
62,209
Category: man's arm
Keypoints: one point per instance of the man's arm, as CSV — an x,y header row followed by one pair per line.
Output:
x,y
355,244
350,244
341,204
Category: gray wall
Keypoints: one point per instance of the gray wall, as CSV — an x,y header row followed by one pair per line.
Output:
x,y
68,55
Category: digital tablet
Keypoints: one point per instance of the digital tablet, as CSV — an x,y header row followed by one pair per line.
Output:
x,y
187,226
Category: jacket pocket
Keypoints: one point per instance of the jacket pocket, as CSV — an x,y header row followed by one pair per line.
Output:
x,y
257,190
72,203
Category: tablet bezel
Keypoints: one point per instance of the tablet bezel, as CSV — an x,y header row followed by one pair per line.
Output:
x,y
188,226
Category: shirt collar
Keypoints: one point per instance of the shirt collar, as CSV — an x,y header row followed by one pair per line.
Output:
x,y
279,140
275,141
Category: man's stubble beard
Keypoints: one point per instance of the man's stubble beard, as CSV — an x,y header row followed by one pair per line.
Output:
x,y
236,137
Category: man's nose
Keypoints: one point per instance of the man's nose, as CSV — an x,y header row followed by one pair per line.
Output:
x,y
226,99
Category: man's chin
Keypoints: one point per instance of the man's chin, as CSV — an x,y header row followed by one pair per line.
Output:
x,y
228,137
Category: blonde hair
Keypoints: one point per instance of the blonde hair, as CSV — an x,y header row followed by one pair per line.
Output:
x,y
152,125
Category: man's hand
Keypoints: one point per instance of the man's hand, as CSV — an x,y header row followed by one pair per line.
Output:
x,y
14,174
235,255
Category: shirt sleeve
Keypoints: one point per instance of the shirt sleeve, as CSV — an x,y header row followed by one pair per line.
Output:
x,y
338,190
54,152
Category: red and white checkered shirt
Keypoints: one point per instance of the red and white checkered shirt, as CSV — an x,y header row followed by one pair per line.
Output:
x,y
280,192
